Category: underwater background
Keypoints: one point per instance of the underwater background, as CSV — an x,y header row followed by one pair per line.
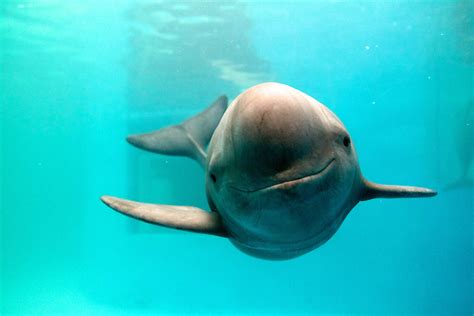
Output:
x,y
77,76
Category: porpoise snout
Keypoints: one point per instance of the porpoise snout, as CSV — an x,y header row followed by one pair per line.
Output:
x,y
272,133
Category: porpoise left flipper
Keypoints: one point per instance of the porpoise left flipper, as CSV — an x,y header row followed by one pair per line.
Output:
x,y
373,190
189,138
179,217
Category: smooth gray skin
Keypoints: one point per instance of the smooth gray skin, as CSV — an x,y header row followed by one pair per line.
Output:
x,y
281,173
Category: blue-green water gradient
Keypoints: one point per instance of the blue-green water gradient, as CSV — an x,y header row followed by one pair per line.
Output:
x,y
77,76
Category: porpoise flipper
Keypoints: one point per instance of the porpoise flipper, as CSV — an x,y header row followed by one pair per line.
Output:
x,y
189,138
374,190
179,217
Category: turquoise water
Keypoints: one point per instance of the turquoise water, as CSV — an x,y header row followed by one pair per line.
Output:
x,y
77,76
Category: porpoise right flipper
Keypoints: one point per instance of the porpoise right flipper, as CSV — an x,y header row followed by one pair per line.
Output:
x,y
179,217
374,190
189,138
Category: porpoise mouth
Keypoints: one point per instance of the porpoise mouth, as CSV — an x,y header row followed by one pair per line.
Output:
x,y
289,183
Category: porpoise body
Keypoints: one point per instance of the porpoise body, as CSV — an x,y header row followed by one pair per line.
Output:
x,y
281,173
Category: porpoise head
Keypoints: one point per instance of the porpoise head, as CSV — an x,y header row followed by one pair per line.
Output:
x,y
282,172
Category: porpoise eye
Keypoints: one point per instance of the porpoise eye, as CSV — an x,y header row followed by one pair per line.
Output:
x,y
213,178
346,141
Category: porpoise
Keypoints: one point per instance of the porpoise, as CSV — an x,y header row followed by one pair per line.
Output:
x,y
281,173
